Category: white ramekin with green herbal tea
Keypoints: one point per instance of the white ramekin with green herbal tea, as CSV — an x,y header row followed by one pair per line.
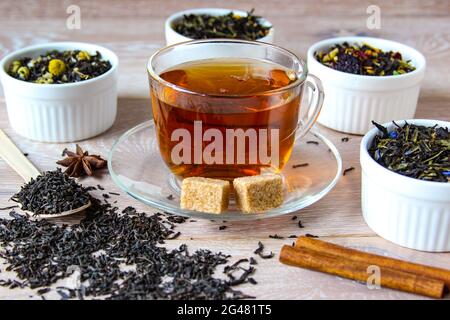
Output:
x,y
60,92
366,79
213,23
406,183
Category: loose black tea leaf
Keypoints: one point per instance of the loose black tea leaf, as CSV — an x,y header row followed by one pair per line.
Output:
x,y
43,291
300,165
292,236
363,60
114,193
345,139
414,151
52,192
294,218
243,277
231,25
275,236
41,253
312,142
174,236
252,261
8,208
56,67
260,249
300,225
234,266
222,227
170,197
252,281
311,235
348,170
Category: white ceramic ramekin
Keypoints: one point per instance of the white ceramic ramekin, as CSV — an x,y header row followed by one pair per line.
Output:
x,y
352,101
410,212
61,112
173,37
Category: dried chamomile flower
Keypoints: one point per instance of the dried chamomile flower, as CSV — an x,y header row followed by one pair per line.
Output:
x,y
56,67
23,73
83,55
15,65
46,78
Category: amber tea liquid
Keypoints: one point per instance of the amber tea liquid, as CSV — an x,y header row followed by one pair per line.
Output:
x,y
225,94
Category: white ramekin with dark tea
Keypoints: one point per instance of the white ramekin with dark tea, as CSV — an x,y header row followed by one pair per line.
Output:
x,y
411,212
173,37
60,112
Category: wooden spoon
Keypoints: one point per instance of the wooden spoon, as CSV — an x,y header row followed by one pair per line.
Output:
x,y
16,160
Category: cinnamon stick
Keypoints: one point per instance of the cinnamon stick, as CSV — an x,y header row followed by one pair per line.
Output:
x,y
356,270
373,259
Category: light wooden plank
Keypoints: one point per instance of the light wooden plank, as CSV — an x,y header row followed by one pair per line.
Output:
x,y
134,29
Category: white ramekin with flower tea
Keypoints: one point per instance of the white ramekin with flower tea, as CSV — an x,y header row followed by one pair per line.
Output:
x,y
406,183
213,23
60,92
366,79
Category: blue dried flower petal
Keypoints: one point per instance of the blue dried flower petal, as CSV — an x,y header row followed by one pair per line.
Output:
x,y
393,134
377,155
446,173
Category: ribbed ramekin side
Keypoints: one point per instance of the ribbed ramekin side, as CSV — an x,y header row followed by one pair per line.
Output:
x,y
405,220
56,120
352,111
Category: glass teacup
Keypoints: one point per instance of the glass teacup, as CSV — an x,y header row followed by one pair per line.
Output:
x,y
229,108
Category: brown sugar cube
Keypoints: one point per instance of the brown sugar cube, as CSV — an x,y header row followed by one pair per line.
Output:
x,y
205,194
258,193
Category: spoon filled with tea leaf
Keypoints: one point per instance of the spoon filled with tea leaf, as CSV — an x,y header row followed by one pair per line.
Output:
x,y
50,194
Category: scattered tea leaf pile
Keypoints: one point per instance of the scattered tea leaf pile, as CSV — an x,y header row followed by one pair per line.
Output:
x,y
51,193
59,67
364,60
415,151
231,25
41,252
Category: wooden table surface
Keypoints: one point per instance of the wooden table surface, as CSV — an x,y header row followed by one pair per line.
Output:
x,y
134,30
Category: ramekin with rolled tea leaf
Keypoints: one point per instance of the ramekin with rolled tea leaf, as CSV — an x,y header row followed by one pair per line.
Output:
x,y
405,183
215,23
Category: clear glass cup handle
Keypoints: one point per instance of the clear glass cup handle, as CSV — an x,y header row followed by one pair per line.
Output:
x,y
308,117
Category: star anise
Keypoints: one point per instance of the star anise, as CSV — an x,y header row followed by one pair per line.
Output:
x,y
81,163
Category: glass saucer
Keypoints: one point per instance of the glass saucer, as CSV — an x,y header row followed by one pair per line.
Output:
x,y
136,167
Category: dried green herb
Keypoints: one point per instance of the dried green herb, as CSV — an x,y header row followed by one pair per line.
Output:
x,y
364,60
231,25
415,151
57,67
